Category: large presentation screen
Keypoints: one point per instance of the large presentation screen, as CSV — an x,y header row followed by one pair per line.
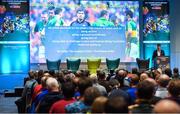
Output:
x,y
62,29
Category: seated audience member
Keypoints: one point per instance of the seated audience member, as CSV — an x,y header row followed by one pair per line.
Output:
x,y
102,80
174,90
51,97
77,107
101,88
27,93
162,81
40,95
68,90
116,105
154,99
168,72
30,84
114,84
90,95
120,77
98,105
166,106
42,86
145,91
135,71
132,90
176,73
84,106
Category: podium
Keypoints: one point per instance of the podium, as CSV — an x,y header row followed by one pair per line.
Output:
x,y
162,62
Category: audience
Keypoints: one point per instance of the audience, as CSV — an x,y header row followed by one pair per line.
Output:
x,y
120,92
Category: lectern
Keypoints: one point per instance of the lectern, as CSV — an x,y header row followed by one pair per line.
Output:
x,y
162,62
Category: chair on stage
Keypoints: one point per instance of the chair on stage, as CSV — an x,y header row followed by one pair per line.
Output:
x,y
53,65
93,65
112,64
73,64
143,65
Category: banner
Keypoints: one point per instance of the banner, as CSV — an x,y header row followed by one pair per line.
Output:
x,y
156,27
14,36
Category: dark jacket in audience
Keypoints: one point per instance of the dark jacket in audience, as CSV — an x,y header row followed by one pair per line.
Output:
x,y
48,101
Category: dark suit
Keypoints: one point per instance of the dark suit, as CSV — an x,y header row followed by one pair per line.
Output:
x,y
155,54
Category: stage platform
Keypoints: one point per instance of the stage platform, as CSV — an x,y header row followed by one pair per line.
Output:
x,y
9,81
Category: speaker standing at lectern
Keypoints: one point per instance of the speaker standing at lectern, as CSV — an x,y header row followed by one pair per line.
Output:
x,y
157,53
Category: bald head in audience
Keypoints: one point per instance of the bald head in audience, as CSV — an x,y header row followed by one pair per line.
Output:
x,y
163,80
52,84
143,76
152,81
167,106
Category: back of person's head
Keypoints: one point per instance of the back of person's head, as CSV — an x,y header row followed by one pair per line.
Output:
x,y
52,72
114,84
60,77
163,80
174,87
43,81
134,79
145,90
143,76
134,70
83,84
90,94
31,74
68,89
52,84
116,105
98,105
166,106
85,73
168,72
176,70
101,75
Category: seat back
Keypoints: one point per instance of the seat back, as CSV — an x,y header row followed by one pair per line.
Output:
x,y
53,65
93,65
73,64
143,64
112,64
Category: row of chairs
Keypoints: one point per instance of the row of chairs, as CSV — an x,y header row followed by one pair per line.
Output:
x,y
93,64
